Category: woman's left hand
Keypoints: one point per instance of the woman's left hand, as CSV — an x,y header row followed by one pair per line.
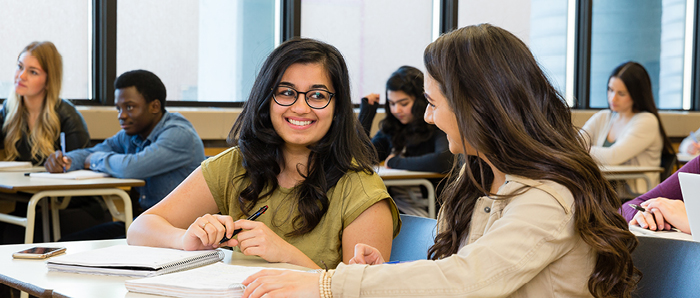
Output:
x,y
281,283
257,239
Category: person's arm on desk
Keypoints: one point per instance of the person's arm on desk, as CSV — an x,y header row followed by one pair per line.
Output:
x,y
186,219
171,150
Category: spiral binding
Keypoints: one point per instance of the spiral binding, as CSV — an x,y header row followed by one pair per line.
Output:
x,y
192,262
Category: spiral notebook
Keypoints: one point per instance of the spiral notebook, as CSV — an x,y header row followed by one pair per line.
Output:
x,y
215,280
134,261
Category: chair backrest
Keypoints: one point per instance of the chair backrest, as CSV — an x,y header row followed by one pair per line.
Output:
x,y
669,161
416,236
670,267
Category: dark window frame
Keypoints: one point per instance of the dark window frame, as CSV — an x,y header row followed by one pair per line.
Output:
x,y
582,54
104,53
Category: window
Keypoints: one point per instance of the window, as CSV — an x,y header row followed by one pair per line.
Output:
x,y
541,24
649,32
65,23
375,37
202,50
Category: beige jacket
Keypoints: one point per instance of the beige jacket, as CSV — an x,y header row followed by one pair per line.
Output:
x,y
639,144
525,246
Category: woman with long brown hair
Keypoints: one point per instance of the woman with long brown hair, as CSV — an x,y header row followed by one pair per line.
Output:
x,y
528,215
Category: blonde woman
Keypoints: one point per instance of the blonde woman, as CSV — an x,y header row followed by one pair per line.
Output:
x,y
33,116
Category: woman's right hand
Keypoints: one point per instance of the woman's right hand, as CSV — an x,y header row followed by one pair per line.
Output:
x,y
372,98
365,254
206,232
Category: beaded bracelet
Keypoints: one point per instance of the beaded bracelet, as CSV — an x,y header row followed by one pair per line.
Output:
x,y
324,282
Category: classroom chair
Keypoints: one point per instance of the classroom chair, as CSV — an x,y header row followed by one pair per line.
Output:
x,y
669,161
670,267
416,236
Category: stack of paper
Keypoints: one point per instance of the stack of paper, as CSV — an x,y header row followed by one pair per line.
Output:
x,y
13,165
77,175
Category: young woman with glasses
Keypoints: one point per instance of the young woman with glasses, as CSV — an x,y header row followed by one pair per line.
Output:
x,y
530,214
298,150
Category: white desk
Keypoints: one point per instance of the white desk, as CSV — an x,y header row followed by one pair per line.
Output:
x,y
642,232
33,277
684,158
630,172
396,177
13,182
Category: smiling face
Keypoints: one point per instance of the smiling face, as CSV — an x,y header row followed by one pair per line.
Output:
x,y
619,98
30,77
299,125
401,105
136,116
441,115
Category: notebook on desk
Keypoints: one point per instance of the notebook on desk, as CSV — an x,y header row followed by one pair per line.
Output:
x,y
215,280
75,175
690,188
132,260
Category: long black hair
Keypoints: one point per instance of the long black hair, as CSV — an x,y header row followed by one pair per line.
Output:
x,y
409,80
345,147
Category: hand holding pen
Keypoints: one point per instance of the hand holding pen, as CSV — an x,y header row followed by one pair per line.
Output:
x,y
649,219
254,216
57,162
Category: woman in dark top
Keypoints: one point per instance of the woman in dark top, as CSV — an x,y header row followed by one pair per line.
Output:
x,y
32,120
33,116
405,140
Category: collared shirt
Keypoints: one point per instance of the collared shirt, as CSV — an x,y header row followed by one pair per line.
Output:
x,y
524,246
164,159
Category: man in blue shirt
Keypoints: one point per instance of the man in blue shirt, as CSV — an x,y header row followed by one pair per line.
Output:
x,y
159,147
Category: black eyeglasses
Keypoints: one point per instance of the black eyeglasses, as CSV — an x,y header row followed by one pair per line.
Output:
x,y
315,98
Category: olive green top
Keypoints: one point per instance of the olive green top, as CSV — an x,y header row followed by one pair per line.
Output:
x,y
352,195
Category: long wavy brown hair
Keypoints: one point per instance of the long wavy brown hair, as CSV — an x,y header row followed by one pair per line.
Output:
x,y
508,111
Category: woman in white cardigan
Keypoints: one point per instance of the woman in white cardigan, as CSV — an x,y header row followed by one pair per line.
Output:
x,y
630,132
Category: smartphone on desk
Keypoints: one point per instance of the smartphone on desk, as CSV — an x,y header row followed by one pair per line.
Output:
x,y
38,252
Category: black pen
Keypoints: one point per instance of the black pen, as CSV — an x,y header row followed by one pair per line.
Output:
x,y
252,217
639,208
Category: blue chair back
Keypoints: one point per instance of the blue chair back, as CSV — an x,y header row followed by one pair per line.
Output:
x,y
670,267
416,236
